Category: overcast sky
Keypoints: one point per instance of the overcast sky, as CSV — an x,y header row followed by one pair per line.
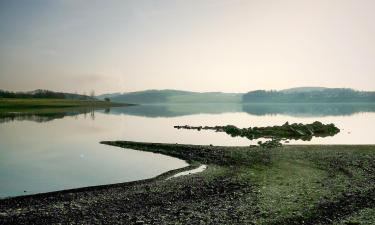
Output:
x,y
198,45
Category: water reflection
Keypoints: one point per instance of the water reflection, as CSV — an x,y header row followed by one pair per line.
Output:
x,y
300,110
46,115
309,109
176,110
65,153
40,118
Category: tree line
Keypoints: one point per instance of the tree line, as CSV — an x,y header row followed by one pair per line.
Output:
x,y
44,94
340,95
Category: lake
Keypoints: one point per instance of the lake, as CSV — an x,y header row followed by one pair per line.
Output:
x,y
55,150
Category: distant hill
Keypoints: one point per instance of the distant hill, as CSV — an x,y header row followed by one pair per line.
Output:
x,y
148,96
292,95
175,96
44,94
309,95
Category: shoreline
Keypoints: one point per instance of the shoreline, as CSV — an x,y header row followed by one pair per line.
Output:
x,y
25,105
292,184
166,175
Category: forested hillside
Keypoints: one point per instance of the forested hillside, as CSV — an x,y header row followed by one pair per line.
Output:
x,y
339,95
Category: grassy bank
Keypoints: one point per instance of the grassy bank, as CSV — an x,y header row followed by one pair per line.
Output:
x,y
7,104
242,185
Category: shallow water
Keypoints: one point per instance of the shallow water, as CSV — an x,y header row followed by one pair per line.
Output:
x,y
199,169
49,151
156,122
65,153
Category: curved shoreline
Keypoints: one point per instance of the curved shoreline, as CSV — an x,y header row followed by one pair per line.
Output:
x,y
161,176
310,184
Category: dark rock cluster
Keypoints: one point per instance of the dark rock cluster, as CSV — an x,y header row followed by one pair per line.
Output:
x,y
286,131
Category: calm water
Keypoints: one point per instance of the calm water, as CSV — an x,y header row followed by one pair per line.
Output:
x,y
51,151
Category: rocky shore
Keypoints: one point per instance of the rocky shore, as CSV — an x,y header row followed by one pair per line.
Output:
x,y
241,185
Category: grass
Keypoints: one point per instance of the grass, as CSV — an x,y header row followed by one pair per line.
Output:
x,y
7,104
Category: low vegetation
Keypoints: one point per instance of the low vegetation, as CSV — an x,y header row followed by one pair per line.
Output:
x,y
7,104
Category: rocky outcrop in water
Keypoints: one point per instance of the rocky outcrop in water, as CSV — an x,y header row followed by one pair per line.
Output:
x,y
286,131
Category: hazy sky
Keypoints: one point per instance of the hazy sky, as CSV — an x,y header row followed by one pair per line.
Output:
x,y
199,45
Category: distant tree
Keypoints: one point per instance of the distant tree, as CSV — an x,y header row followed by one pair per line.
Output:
x,y
35,94
107,99
92,94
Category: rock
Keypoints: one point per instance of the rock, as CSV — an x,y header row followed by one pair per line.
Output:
x,y
286,131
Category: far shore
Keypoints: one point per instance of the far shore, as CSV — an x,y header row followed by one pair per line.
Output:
x,y
24,104
292,184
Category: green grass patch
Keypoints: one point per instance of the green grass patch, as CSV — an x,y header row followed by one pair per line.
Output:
x,y
30,104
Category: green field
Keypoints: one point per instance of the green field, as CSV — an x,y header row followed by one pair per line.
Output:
x,y
7,104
